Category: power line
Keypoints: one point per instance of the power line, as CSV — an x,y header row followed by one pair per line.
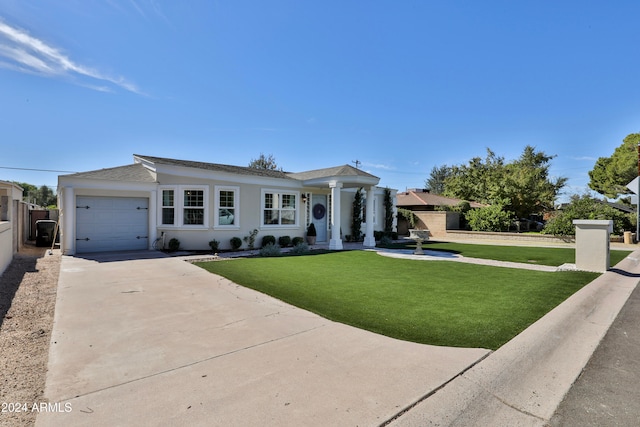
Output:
x,y
36,170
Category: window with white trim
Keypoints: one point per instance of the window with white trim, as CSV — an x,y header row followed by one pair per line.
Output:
x,y
279,208
227,207
168,208
184,206
193,207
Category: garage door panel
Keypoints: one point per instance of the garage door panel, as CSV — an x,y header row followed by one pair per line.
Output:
x,y
111,223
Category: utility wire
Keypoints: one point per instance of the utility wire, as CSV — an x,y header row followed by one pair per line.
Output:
x,y
37,170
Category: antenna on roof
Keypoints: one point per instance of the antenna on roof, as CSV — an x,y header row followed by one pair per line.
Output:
x,y
357,163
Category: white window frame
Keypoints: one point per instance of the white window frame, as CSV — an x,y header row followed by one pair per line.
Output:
x,y
280,193
217,207
179,207
163,207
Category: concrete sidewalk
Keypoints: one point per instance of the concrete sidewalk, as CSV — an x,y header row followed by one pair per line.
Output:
x,y
159,341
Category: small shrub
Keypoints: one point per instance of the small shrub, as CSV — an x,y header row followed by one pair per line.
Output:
x,y
236,242
378,235
268,240
270,250
214,245
174,245
297,240
385,242
284,241
407,214
490,218
586,207
251,238
300,248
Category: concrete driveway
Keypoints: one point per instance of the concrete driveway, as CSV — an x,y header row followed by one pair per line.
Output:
x,y
145,340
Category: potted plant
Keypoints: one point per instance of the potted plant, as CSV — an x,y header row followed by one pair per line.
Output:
x,y
311,234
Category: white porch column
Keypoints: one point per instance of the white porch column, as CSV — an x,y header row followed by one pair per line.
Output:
x,y
336,241
153,218
369,239
68,232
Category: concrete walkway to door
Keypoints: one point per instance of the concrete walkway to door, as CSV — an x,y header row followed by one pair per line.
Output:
x,y
142,339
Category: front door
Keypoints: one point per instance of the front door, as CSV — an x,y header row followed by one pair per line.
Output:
x,y
319,215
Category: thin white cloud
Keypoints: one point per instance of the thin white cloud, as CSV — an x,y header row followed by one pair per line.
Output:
x,y
378,166
587,158
19,51
147,9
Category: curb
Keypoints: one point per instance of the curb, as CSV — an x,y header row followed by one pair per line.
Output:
x,y
523,382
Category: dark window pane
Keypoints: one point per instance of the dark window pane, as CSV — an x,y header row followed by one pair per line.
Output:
x,y
270,217
168,216
193,216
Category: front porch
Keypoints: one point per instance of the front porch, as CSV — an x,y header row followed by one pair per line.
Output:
x,y
337,179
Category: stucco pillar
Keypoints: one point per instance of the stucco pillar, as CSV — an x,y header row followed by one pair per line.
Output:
x,y
336,241
153,217
68,231
592,244
369,239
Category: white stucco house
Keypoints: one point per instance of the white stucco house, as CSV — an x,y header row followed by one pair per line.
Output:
x,y
130,207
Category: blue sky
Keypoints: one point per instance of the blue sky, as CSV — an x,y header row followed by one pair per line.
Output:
x,y
401,86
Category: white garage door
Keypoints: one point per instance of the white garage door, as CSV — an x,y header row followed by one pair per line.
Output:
x,y
111,224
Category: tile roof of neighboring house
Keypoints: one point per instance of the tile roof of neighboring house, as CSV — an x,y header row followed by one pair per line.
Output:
x,y
424,198
344,170
242,170
133,173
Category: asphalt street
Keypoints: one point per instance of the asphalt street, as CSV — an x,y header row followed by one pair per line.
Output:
x,y
607,393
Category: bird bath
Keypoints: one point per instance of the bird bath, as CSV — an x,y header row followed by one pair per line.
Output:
x,y
418,236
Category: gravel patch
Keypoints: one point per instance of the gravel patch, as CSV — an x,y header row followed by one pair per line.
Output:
x,y
27,302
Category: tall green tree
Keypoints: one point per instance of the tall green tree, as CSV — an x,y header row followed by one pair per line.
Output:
x,y
265,162
610,175
437,178
46,196
29,191
42,196
528,184
522,186
388,211
356,217
480,179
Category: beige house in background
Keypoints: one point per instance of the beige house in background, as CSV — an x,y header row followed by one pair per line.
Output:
x,y
155,199
427,208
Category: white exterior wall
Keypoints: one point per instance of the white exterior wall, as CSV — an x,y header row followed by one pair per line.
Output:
x,y
248,212
10,196
6,243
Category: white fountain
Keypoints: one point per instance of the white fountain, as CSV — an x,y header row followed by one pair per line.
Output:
x,y
418,236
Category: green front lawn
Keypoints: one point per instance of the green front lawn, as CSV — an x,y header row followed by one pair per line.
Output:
x,y
430,302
